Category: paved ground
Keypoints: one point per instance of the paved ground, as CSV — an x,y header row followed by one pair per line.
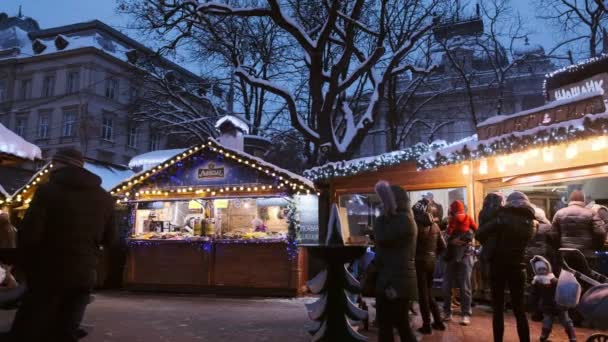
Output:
x,y
131,317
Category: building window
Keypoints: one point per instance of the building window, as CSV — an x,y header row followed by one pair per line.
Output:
x,y
21,126
25,89
111,88
132,94
69,124
43,125
73,82
107,130
132,136
48,86
3,94
154,141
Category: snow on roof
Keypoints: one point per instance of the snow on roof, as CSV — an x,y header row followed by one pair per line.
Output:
x,y
3,193
11,143
150,159
264,163
236,122
499,118
110,176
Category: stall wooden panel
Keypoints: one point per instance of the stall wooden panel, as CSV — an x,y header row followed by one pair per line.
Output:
x,y
168,263
264,265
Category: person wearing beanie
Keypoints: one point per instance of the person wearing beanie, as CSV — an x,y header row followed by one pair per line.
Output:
x,y
58,243
395,234
576,226
511,229
459,259
542,297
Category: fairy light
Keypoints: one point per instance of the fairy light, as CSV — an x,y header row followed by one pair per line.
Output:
x,y
547,155
571,151
466,169
483,167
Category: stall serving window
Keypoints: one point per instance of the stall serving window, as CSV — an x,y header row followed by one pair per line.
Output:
x,y
218,218
359,211
552,196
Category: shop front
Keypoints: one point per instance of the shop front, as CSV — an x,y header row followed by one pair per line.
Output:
x,y
214,219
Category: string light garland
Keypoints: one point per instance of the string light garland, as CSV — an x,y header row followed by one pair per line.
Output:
x,y
285,181
595,125
25,193
354,167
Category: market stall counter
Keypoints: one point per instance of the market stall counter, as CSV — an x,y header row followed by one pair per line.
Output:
x,y
214,219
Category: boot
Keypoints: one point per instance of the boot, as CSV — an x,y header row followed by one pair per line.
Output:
x,y
438,325
571,334
425,329
544,335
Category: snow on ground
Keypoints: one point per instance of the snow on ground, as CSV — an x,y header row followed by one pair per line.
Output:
x,y
149,160
110,176
11,143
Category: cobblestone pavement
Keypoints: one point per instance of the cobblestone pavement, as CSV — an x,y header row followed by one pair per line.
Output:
x,y
133,317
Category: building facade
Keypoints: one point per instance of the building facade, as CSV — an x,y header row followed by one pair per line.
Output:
x,y
439,109
72,86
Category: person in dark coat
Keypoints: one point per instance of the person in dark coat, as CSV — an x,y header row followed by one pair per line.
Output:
x,y
59,241
542,297
579,227
436,209
511,229
492,204
430,244
459,259
396,234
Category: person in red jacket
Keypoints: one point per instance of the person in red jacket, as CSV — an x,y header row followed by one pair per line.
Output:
x,y
459,261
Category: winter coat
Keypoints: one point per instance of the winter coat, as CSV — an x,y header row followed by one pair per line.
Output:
x,y
538,245
395,254
491,206
436,211
8,233
460,226
512,228
68,220
542,292
430,242
579,227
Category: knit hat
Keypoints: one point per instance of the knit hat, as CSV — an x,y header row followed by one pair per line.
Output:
x,y
577,196
69,156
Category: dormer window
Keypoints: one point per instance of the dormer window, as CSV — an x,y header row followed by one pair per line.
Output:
x,y
38,46
61,42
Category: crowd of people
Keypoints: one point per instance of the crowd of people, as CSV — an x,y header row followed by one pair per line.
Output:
x,y
518,253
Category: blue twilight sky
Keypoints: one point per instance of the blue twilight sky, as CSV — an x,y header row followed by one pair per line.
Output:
x,y
51,13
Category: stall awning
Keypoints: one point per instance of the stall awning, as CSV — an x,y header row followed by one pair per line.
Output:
x,y
12,145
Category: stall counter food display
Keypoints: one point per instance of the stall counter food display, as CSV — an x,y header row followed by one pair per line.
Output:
x,y
215,220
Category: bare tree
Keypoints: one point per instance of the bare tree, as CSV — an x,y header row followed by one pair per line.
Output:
x,y
350,45
578,21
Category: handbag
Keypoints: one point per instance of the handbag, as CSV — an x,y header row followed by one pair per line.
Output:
x,y
368,280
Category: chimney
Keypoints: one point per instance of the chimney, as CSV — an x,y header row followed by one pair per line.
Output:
x,y
232,132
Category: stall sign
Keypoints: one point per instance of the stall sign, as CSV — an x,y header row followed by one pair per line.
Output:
x,y
308,211
211,171
598,82
543,117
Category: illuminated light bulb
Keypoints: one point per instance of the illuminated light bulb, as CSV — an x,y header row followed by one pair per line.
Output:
x,y
301,187
38,179
189,189
280,177
547,155
117,201
241,188
234,188
270,187
318,194
166,194
248,189
263,187
483,167
534,153
571,151
137,194
51,165
255,189
240,160
599,144
221,190
466,169
127,193
213,193
501,164
521,161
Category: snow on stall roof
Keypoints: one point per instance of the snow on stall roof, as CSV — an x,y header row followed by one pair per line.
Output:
x,y
11,143
267,164
150,159
110,176
449,148
3,192
499,118
236,122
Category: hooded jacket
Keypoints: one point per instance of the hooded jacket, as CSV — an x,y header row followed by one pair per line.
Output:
x,y
396,236
542,295
460,222
430,241
68,220
460,226
538,245
578,227
513,228
492,204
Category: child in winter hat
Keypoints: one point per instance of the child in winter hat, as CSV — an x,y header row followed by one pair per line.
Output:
x,y
544,285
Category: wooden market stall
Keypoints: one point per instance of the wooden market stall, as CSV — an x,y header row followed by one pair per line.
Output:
x,y
215,219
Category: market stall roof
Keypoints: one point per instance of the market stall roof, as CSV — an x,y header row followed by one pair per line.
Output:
x,y
150,159
234,121
548,132
353,167
287,178
3,193
110,176
577,72
13,145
